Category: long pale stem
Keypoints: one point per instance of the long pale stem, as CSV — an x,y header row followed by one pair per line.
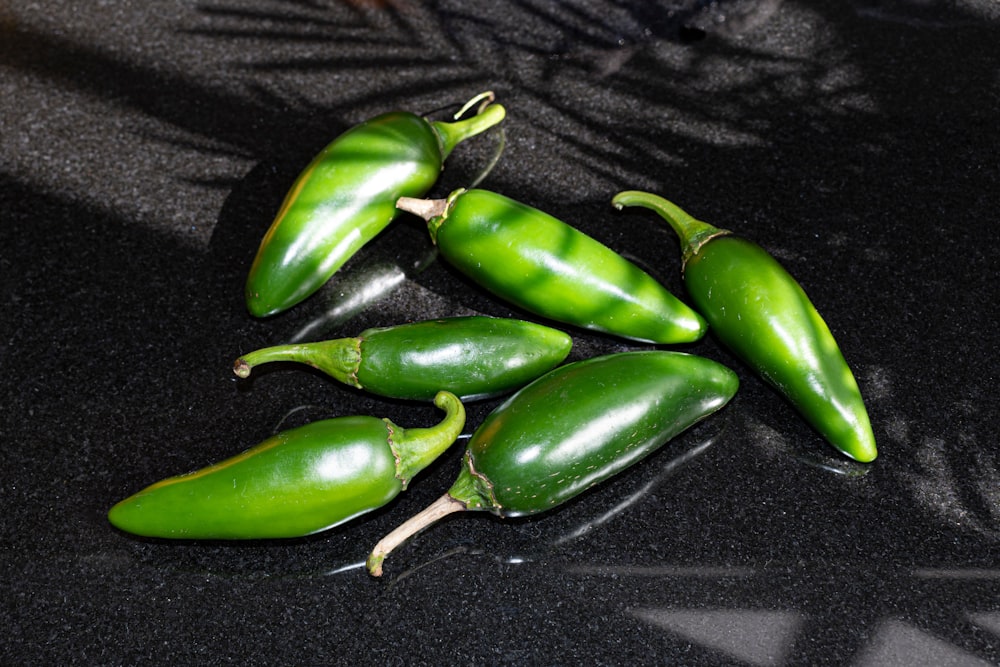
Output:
x,y
433,513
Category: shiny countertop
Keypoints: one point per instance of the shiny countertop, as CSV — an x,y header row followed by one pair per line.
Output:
x,y
144,148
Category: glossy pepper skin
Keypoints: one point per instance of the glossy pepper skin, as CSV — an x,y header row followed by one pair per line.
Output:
x,y
763,315
296,483
473,357
572,429
346,196
549,268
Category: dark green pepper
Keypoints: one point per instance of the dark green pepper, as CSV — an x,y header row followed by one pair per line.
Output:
x,y
760,312
347,195
549,268
298,482
571,429
473,357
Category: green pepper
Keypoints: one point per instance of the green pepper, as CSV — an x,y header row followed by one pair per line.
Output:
x,y
549,268
347,195
571,429
473,357
296,483
763,315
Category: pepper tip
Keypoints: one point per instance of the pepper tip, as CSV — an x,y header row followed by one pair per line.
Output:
x,y
864,457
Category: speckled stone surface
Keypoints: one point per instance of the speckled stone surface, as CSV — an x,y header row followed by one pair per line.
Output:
x,y
144,148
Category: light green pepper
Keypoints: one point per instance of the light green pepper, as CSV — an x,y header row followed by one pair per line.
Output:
x,y
347,195
295,483
761,313
549,268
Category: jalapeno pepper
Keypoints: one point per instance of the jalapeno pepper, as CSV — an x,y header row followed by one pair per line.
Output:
x,y
571,429
298,482
549,268
346,196
473,357
761,313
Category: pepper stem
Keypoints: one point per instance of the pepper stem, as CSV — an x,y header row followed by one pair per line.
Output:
x,y
337,358
453,133
693,233
430,515
424,208
483,99
434,211
417,448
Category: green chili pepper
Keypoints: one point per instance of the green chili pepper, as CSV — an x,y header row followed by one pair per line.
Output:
x,y
473,357
760,312
347,195
549,268
571,429
297,482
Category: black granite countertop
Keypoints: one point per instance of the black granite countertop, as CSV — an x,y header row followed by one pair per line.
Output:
x,y
144,149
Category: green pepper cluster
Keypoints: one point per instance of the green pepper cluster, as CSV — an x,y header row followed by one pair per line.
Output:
x,y
565,427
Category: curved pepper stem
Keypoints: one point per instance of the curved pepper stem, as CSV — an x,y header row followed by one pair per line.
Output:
x,y
426,518
693,233
470,492
483,99
417,448
453,133
339,358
